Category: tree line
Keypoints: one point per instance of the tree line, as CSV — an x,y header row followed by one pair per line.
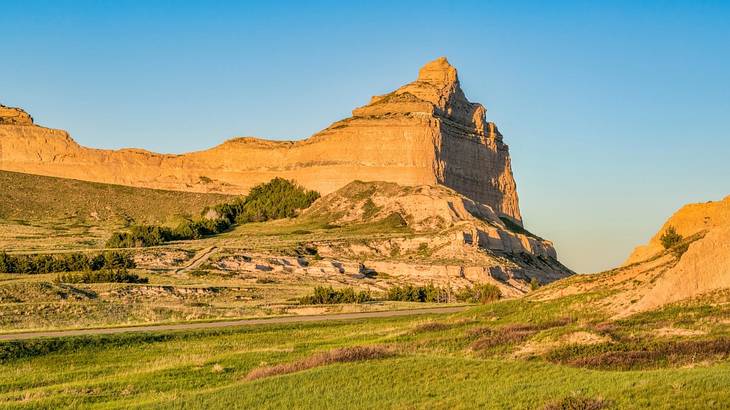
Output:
x,y
276,199
68,262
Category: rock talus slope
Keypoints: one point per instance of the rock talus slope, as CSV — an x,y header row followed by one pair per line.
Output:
x,y
424,133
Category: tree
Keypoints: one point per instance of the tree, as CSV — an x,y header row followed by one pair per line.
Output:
x,y
670,237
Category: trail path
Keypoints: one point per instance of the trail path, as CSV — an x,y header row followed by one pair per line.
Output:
x,y
197,260
233,323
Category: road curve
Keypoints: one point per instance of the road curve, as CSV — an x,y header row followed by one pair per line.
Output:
x,y
232,323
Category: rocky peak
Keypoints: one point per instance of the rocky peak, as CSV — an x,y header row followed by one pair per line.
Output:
x,y
438,72
436,92
14,116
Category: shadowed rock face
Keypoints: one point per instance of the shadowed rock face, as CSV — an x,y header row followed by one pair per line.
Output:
x,y
424,133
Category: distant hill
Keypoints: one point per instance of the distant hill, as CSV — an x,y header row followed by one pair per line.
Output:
x,y
27,197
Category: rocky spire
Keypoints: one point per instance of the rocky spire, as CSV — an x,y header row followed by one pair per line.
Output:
x,y
437,92
438,72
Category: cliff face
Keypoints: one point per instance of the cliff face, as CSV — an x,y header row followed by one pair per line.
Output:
x,y
424,133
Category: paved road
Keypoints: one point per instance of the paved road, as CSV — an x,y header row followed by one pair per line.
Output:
x,y
233,323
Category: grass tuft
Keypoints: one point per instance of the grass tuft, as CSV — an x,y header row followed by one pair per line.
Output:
x,y
578,403
343,355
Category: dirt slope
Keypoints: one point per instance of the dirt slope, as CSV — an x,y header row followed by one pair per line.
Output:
x,y
653,276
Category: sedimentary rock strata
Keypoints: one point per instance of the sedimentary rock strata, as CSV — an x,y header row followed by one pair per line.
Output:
x,y
424,133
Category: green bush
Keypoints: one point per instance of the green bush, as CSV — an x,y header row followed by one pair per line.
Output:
x,y
140,235
101,276
534,284
670,237
480,293
279,198
410,293
276,199
329,296
70,262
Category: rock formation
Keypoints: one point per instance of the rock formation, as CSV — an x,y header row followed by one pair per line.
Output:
x,y
442,224
424,133
705,264
689,220
14,116
652,277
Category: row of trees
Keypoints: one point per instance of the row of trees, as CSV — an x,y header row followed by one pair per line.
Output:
x,y
328,296
278,198
480,293
69,262
101,276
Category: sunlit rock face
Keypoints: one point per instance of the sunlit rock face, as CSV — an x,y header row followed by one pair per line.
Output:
x,y
424,133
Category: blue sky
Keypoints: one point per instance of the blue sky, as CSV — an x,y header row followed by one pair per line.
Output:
x,y
616,114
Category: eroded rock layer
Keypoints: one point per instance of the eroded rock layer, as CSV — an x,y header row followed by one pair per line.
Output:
x,y
424,133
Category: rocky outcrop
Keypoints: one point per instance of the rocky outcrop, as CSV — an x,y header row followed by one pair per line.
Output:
x,y
689,220
699,267
14,116
440,223
652,277
424,133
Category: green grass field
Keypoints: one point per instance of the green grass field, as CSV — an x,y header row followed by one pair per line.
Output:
x,y
433,362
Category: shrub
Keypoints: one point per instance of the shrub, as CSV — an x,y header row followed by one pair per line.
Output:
x,y
410,293
328,296
140,235
70,262
534,284
279,198
481,293
670,237
101,276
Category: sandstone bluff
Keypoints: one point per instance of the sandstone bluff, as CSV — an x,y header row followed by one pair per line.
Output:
x,y
424,133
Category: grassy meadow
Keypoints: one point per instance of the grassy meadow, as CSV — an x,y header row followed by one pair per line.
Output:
x,y
508,354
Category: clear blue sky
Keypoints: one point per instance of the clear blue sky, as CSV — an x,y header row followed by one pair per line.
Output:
x,y
616,115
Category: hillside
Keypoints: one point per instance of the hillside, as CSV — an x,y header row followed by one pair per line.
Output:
x,y
689,220
35,198
653,276
423,133
429,227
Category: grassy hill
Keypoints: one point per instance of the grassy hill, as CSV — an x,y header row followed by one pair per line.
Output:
x,y
33,198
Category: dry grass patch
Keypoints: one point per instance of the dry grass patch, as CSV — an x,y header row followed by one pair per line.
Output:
x,y
636,354
432,327
503,336
578,403
342,355
510,334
